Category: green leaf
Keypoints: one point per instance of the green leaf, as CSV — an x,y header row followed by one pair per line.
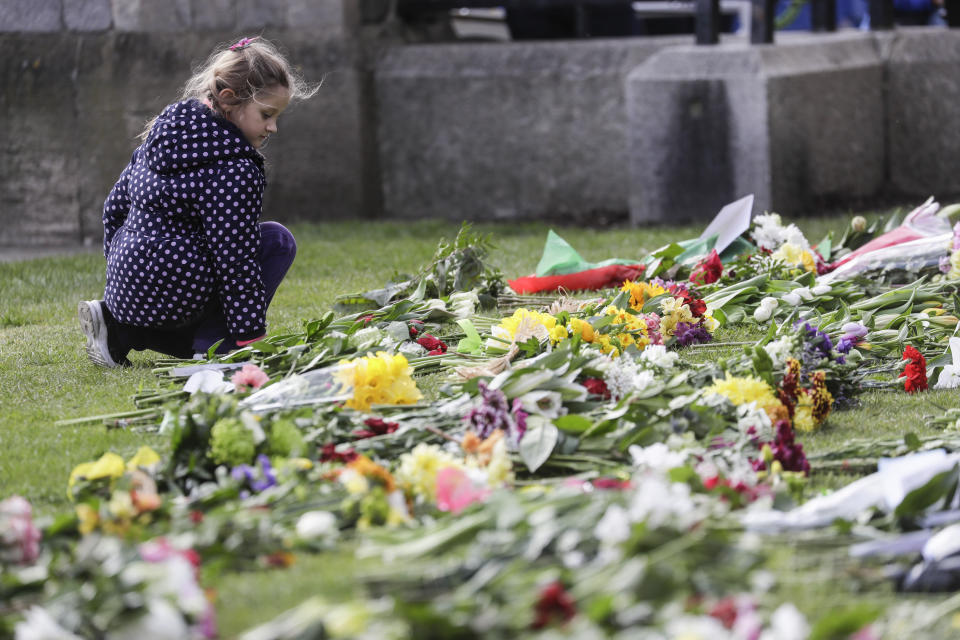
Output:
x,y
473,343
839,625
912,441
573,423
538,443
918,500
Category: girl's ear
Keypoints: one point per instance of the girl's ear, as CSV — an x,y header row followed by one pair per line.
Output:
x,y
227,99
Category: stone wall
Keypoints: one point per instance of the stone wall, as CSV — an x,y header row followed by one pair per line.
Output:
x,y
80,78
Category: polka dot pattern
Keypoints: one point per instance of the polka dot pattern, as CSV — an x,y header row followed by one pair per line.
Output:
x,y
181,226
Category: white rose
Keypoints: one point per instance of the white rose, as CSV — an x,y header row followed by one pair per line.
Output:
x,y
317,524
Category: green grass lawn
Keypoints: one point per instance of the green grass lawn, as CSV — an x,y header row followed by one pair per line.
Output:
x,y
45,375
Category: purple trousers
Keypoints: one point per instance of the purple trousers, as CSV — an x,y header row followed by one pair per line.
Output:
x,y
277,251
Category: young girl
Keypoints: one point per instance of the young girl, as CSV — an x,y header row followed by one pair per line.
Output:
x,y
188,263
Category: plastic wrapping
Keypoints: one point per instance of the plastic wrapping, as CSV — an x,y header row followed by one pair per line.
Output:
x,y
319,386
913,255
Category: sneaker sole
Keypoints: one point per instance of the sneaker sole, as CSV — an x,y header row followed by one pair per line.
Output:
x,y
92,324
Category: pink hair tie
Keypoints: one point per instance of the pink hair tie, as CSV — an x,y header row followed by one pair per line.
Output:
x,y
242,44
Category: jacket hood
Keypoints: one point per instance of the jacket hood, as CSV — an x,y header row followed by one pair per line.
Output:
x,y
189,134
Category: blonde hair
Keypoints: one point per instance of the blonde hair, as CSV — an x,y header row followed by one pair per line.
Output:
x,y
247,68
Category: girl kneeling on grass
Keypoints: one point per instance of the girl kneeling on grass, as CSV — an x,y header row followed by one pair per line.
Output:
x,y
188,262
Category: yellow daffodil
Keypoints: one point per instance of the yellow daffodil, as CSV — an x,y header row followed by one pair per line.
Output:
x,y
382,379
145,457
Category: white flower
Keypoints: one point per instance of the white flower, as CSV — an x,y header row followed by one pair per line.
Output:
x,y
762,313
749,415
792,298
659,502
950,376
787,623
38,624
463,304
767,306
548,404
658,356
858,223
657,457
614,527
161,621
804,293
779,351
317,524
689,627
793,235
822,289
624,377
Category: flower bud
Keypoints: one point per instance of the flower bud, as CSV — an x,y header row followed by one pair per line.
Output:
x,y
858,223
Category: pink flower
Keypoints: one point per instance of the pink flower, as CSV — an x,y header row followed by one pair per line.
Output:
x,y
456,492
249,377
19,538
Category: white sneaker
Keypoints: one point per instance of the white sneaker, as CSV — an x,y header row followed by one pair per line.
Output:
x,y
95,328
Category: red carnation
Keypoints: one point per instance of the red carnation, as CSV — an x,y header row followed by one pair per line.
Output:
x,y
915,371
434,345
329,453
375,427
708,271
553,605
597,387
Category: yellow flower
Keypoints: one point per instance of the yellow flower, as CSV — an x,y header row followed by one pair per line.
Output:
x,y
144,457
88,517
789,253
558,333
583,329
743,390
803,414
110,465
511,323
382,378
121,505
419,467
640,292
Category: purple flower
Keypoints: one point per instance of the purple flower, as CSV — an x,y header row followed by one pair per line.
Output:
x,y
261,481
688,333
495,412
852,332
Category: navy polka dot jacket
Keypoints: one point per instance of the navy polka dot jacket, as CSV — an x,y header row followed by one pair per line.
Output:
x,y
181,226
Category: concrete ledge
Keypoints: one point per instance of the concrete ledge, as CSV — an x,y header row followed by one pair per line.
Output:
x,y
506,130
794,123
923,76
72,106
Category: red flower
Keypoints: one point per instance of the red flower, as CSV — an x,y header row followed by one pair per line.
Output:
x,y
915,371
329,453
726,612
610,483
377,427
553,605
708,271
697,307
597,387
366,320
196,517
415,327
434,345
